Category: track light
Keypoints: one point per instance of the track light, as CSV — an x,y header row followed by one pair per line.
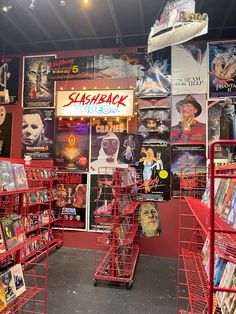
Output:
x,y
32,5
63,3
6,8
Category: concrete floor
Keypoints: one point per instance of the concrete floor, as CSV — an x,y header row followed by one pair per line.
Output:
x,y
71,289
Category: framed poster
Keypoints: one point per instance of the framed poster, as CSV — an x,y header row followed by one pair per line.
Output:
x,y
38,91
5,136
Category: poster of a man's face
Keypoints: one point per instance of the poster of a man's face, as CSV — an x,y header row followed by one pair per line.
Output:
x,y
149,219
38,133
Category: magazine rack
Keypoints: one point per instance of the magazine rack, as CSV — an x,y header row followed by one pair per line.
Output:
x,y
31,203
116,252
202,231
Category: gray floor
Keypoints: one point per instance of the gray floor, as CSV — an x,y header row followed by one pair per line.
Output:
x,y
71,289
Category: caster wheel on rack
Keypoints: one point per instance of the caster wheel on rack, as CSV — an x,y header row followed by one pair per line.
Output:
x,y
129,285
95,282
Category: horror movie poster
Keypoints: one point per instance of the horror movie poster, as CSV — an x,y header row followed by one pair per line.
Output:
x,y
130,148
38,91
5,136
38,133
105,142
222,65
154,172
9,78
189,68
155,80
72,144
186,160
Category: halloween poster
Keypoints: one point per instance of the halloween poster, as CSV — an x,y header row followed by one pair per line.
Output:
x,y
38,91
72,144
222,65
186,160
105,142
153,180
38,133
189,68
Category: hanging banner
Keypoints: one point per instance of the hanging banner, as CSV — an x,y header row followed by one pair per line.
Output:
x,y
153,180
188,159
72,144
38,133
222,65
155,81
9,79
105,142
189,69
38,91
188,119
96,67
96,103
178,23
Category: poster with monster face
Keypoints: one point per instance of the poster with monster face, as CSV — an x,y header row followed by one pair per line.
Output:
x,y
38,91
72,144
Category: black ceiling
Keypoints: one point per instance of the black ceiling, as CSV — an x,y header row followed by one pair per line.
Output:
x,y
106,24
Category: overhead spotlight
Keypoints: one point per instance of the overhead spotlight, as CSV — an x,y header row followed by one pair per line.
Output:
x,y
6,8
32,5
85,1
63,3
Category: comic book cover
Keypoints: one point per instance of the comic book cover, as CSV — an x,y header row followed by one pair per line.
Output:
x,y
6,176
3,302
229,202
221,194
18,278
8,286
21,182
9,233
230,298
18,228
2,244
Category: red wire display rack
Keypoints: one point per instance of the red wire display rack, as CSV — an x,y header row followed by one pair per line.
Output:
x,y
197,291
31,205
117,251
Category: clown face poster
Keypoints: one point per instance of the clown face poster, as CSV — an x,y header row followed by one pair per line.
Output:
x,y
154,172
72,144
38,91
186,160
189,68
105,142
188,119
156,78
222,69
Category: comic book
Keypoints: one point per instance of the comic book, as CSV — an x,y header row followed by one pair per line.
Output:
x,y
229,302
8,286
2,244
9,233
3,302
20,178
221,194
19,282
6,176
18,228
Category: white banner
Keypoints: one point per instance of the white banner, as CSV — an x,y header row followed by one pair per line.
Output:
x,y
96,103
189,69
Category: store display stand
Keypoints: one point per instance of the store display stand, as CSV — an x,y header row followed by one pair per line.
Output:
x,y
196,290
116,252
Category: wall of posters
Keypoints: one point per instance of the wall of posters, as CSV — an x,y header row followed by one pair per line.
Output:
x,y
38,91
187,158
105,142
38,133
9,77
188,119
72,144
222,64
156,78
189,68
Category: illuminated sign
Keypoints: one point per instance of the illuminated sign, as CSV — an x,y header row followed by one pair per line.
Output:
x,y
96,103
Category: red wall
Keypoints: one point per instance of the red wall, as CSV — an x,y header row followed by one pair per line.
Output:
x,y
166,244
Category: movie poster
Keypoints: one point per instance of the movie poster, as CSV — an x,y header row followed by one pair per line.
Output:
x,y
38,133
9,78
130,148
188,119
154,124
101,202
154,172
186,160
153,103
71,198
5,136
105,142
189,68
222,64
38,91
156,78
72,144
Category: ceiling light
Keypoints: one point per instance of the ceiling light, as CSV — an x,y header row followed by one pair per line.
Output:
x,y
6,8
63,3
32,4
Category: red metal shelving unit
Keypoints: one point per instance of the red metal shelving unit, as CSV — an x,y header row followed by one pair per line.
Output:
x,y
196,291
117,251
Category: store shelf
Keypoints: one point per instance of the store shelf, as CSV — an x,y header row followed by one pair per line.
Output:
x,y
131,208
32,189
130,235
39,226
